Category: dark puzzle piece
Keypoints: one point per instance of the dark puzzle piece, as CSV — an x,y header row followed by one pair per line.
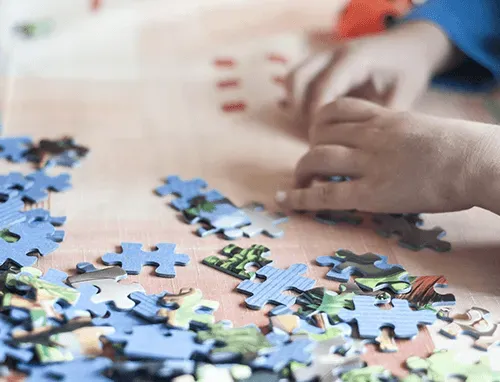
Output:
x,y
371,319
346,264
62,152
157,342
277,281
410,235
14,148
425,292
133,258
332,217
153,370
219,214
186,190
239,260
43,183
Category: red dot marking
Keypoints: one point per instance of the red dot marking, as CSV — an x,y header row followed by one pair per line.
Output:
x,y
276,57
229,107
280,80
232,83
225,62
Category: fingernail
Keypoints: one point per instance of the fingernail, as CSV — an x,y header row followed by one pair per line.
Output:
x,y
280,196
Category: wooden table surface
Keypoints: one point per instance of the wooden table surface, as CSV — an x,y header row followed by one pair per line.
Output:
x,y
168,120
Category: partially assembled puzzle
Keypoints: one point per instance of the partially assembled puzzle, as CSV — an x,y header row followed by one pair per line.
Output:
x,y
92,325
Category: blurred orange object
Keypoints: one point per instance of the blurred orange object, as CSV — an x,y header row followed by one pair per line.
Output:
x,y
363,17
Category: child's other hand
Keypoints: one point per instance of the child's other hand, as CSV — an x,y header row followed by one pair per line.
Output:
x,y
391,69
398,162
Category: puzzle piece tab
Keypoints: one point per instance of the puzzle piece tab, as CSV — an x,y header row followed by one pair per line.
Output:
x,y
133,258
262,221
239,260
346,264
370,318
277,281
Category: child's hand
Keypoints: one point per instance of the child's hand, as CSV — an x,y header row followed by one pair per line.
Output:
x,y
392,69
398,162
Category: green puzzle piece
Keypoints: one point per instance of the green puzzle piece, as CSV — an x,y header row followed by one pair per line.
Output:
x,y
239,259
442,365
322,300
247,341
367,374
398,283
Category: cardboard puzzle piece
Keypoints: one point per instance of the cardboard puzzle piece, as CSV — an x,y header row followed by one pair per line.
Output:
x,y
277,281
263,221
370,318
14,182
186,190
32,238
486,343
410,235
157,342
442,365
396,283
279,357
216,216
425,292
368,374
326,367
79,370
346,264
11,212
43,183
7,349
121,321
321,300
209,373
39,215
177,310
239,260
240,343
133,258
62,152
151,370
86,304
14,148
332,217
106,280
476,322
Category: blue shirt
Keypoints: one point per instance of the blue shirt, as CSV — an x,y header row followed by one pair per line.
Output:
x,y
474,27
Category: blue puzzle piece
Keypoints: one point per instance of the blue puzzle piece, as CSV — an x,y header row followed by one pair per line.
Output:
x,y
41,215
122,321
43,182
186,190
56,277
346,264
14,148
80,370
279,357
6,350
370,318
133,258
14,182
11,212
157,342
277,281
31,239
148,306
85,303
68,158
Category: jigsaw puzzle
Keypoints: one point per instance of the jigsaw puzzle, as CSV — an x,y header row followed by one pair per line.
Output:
x,y
62,152
396,283
277,281
476,322
43,183
411,236
321,300
275,360
425,292
370,318
11,212
14,148
121,321
83,370
346,264
239,260
14,182
332,217
262,221
133,258
106,280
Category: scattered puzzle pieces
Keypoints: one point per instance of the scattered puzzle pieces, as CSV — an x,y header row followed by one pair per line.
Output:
x,y
42,183
239,260
186,190
281,356
277,281
133,258
476,322
346,264
79,370
370,318
262,221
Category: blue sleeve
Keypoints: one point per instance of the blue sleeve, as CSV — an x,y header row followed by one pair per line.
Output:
x,y
474,27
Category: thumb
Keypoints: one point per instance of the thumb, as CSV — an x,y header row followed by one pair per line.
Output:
x,y
329,196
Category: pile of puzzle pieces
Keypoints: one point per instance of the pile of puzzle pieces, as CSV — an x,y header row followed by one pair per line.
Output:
x,y
90,326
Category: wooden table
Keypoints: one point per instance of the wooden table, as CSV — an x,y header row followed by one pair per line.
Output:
x,y
168,120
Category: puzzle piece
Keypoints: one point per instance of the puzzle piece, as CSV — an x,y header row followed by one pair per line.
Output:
x,y
442,365
262,221
40,215
220,215
367,374
240,343
210,373
425,292
346,264
278,358
8,350
131,370
79,370
106,280
277,281
411,236
121,321
186,190
321,300
32,238
371,319
156,342
476,322
14,148
63,152
332,217
133,258
239,260
178,310
325,367
85,304
11,212
397,283
14,182
43,182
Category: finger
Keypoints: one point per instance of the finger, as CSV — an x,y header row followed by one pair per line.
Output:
x,y
404,93
334,196
343,134
326,161
347,109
